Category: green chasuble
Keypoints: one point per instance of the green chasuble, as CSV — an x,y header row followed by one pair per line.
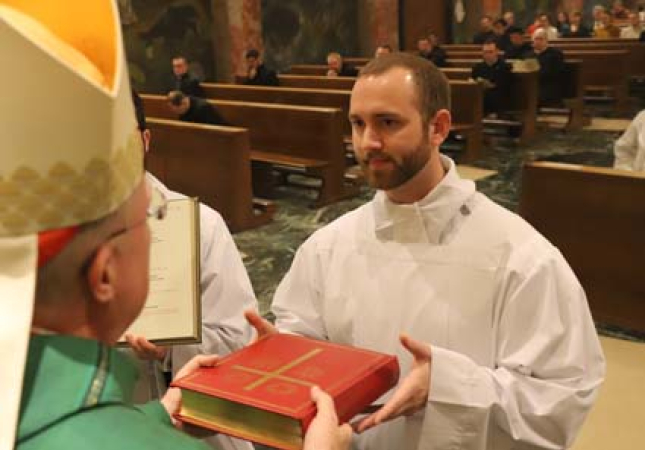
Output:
x,y
76,395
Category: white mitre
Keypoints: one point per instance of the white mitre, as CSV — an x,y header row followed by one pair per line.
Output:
x,y
71,152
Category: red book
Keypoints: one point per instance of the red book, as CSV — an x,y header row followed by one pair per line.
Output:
x,y
262,392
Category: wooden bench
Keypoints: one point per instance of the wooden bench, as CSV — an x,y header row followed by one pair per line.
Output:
x,y
309,69
317,82
595,217
307,139
209,162
467,111
327,98
635,49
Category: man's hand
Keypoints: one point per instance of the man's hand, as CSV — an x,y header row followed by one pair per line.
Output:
x,y
171,401
323,432
262,326
145,349
412,393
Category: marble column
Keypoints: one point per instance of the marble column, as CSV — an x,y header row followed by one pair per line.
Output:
x,y
237,29
378,23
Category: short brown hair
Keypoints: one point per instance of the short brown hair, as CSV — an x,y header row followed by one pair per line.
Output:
x,y
433,89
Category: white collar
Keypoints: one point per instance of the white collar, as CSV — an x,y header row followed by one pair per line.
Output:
x,y
429,216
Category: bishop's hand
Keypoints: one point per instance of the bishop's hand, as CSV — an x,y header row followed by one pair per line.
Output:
x,y
144,349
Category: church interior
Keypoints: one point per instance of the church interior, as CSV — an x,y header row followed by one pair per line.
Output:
x,y
605,248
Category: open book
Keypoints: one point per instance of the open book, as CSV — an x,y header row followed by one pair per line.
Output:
x,y
172,313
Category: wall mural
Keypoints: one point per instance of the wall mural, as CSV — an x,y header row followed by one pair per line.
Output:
x,y
304,31
156,30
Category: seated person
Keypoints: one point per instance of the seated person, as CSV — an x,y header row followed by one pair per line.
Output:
x,y
500,28
598,11
336,67
629,149
183,80
618,10
608,29
551,62
642,37
634,30
576,28
495,74
194,109
545,24
257,73
432,52
382,50
563,24
517,48
485,31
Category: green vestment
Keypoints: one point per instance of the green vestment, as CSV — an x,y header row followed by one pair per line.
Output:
x,y
76,395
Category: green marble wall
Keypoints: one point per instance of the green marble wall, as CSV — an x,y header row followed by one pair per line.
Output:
x,y
304,31
156,30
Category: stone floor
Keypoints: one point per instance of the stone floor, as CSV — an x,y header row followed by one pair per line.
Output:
x,y
268,250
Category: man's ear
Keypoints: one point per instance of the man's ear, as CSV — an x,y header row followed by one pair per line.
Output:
x,y
101,275
439,132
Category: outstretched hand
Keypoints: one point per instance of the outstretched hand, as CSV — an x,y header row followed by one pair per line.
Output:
x,y
262,326
411,394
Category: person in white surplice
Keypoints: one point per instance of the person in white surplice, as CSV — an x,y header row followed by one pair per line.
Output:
x,y
629,149
498,349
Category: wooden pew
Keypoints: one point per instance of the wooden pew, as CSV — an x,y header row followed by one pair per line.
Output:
x,y
635,49
522,102
209,162
309,69
598,70
467,110
317,82
308,139
595,217
327,98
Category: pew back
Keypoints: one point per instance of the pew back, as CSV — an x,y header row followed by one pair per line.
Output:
x,y
595,217
209,162
328,98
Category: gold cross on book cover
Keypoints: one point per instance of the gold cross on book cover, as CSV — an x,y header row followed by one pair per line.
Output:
x,y
262,392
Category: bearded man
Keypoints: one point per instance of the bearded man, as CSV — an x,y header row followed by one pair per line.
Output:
x,y
499,349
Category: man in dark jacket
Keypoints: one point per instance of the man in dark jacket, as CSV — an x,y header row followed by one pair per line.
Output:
x,y
495,74
551,62
576,28
517,48
194,109
257,73
183,80
429,50
485,30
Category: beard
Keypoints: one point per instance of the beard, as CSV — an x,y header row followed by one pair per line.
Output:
x,y
395,173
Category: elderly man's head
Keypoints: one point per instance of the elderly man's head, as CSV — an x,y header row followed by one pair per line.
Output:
x,y
540,40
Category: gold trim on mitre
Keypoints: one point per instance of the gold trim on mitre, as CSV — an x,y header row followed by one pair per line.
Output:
x,y
71,149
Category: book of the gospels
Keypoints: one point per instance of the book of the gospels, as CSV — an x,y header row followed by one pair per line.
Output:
x,y
262,393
